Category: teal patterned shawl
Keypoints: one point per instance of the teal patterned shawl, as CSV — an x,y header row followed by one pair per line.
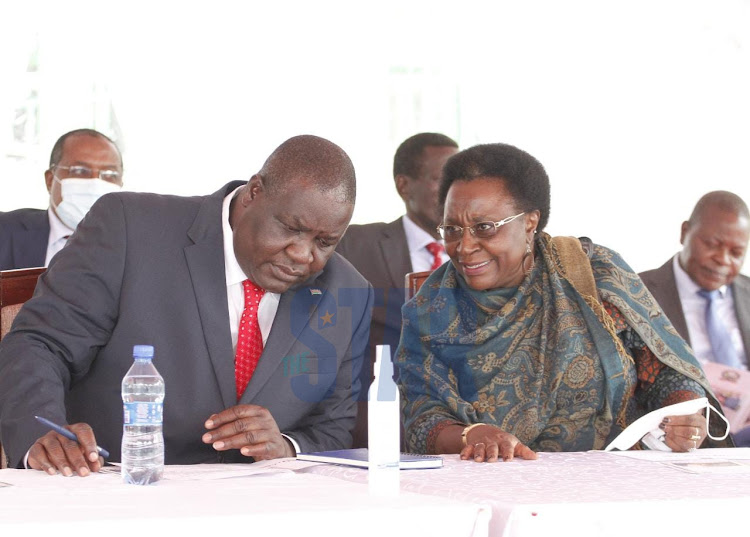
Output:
x,y
541,361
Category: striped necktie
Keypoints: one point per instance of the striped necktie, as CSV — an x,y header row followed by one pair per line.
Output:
x,y
721,342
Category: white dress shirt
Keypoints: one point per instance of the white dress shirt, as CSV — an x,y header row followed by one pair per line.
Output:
x,y
694,308
58,235
269,303
417,239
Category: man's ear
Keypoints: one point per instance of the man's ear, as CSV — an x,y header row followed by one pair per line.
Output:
x,y
683,231
252,189
48,178
403,182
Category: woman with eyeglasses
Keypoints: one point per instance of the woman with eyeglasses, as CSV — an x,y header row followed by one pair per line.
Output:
x,y
526,343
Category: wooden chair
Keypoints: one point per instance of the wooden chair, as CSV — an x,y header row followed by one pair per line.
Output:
x,y
16,287
413,281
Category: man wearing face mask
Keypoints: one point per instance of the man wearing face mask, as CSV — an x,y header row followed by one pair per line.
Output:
x,y
84,165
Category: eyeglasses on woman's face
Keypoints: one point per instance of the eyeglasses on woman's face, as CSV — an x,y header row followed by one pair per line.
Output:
x,y
481,230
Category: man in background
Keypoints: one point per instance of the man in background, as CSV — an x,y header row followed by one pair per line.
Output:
x,y
83,166
701,289
258,326
385,252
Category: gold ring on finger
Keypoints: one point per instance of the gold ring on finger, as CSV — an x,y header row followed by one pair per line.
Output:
x,y
695,438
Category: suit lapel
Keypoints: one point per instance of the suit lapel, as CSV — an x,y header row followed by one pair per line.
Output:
x,y
300,303
30,247
205,260
395,252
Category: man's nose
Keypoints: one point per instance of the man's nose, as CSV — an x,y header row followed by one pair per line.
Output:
x,y
301,252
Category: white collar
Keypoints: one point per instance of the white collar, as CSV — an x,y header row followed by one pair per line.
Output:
x,y
232,270
57,230
416,237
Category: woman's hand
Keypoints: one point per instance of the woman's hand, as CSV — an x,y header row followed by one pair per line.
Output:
x,y
487,443
684,433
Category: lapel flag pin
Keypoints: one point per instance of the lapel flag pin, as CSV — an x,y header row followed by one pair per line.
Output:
x,y
315,292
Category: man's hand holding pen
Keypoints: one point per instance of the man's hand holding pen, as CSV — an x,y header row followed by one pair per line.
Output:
x,y
54,453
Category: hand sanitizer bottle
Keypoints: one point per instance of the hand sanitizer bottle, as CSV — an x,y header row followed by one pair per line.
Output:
x,y
383,428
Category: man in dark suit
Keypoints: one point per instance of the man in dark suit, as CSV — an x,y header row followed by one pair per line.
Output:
x,y
83,166
714,242
385,252
170,272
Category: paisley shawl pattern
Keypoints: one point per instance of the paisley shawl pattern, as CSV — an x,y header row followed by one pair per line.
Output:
x,y
541,361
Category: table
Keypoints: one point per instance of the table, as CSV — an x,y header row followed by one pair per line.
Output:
x,y
588,494
279,502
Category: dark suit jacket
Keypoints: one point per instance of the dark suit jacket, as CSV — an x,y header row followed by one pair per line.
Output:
x,y
24,234
380,253
661,282
149,269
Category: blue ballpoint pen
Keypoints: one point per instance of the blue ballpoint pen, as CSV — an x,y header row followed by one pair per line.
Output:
x,y
67,434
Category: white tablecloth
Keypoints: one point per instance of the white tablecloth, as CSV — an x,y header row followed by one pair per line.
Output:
x,y
279,504
582,494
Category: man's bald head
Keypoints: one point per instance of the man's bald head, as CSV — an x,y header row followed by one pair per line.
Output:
x,y
714,240
312,162
726,202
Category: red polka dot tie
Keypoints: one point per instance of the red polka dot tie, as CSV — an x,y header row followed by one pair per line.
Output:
x,y
436,249
249,338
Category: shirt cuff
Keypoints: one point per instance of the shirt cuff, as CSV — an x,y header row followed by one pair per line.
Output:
x,y
26,460
295,445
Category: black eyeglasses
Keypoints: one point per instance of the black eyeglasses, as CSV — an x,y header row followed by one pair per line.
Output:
x,y
481,230
84,172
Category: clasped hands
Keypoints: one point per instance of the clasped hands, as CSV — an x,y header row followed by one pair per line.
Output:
x,y
249,428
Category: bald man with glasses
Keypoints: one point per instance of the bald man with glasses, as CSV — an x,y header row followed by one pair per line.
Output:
x,y
84,165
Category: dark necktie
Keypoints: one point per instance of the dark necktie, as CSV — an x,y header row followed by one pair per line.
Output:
x,y
436,249
249,338
721,343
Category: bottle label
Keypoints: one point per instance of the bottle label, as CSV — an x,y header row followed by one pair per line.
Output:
x,y
142,413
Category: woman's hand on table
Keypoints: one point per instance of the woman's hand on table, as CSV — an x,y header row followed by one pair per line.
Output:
x,y
487,443
684,433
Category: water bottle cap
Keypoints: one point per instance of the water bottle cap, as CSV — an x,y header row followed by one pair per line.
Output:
x,y
143,351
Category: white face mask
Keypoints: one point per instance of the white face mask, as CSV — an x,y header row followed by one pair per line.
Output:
x,y
78,195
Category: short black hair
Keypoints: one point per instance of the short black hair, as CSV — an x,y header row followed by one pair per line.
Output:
x,y
311,160
523,175
57,149
408,158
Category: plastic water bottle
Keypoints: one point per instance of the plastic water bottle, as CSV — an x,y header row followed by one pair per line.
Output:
x,y
142,437
383,428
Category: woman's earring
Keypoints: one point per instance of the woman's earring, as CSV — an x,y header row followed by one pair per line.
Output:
x,y
527,264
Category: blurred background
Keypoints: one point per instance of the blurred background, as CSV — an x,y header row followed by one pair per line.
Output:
x,y
635,108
